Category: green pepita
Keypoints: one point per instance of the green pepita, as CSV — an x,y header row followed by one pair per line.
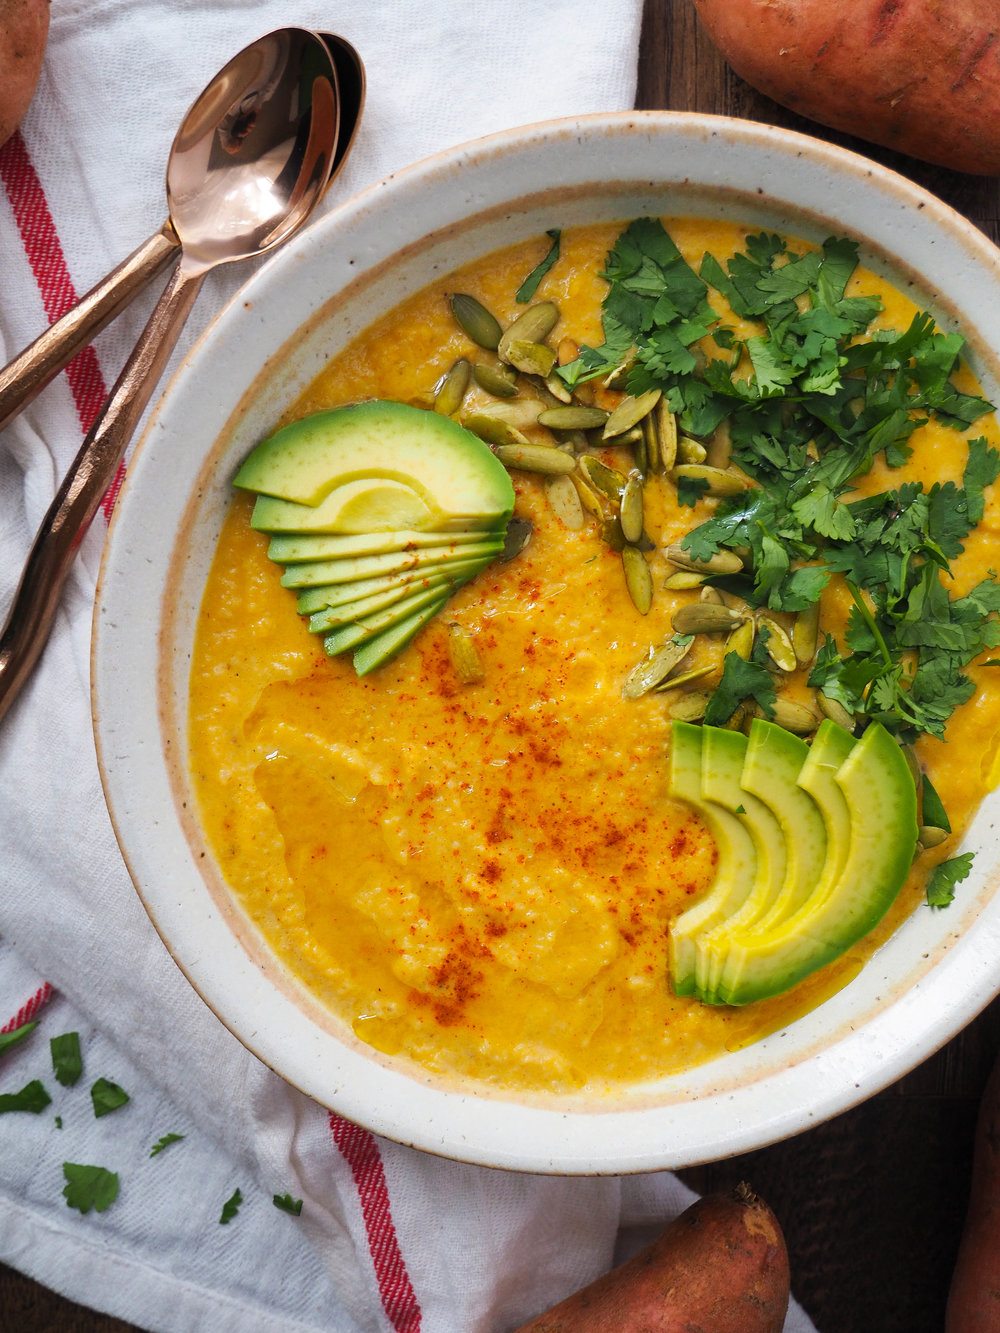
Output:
x,y
690,451
591,501
778,644
682,580
835,711
631,508
741,640
652,442
451,388
464,655
805,634
705,618
475,320
931,837
493,429
717,481
689,707
794,716
638,579
533,326
572,418
532,358
564,502
656,667
498,380
687,678
558,389
709,593
722,562
666,431
519,533
617,378
608,480
629,412
720,447
535,458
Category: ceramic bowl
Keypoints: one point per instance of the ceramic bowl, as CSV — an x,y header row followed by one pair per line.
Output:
x,y
934,974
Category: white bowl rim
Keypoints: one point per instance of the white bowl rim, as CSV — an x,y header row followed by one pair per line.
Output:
x,y
962,982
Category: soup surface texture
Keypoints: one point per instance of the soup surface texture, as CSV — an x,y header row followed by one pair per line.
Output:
x,y
480,878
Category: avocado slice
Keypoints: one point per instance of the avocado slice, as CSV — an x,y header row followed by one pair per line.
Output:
x,y
321,622
350,568
360,631
296,548
372,504
376,652
873,857
735,868
329,595
451,470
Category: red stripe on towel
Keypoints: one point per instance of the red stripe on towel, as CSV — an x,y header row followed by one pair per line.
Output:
x,y
361,1153
29,1009
48,264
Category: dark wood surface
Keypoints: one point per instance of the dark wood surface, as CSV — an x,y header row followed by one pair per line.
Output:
x,y
872,1202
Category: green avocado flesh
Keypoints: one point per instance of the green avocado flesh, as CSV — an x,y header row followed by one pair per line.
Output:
x,y
846,818
377,513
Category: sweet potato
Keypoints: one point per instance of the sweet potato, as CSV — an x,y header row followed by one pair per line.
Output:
x,y
921,76
24,28
974,1297
721,1267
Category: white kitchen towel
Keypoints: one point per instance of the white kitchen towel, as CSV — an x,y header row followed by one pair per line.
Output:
x,y
388,1238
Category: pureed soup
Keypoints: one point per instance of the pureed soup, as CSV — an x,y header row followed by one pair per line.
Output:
x,y
471,854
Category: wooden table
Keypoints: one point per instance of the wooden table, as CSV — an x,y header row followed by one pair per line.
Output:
x,y
872,1202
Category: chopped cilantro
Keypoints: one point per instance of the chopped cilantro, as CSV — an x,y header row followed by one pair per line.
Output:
x,y
287,1204
58,1122
107,1097
89,1187
67,1062
231,1207
15,1035
529,286
690,490
932,811
163,1143
740,680
944,877
32,1097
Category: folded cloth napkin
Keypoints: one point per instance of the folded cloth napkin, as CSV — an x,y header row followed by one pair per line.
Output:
x,y
388,1238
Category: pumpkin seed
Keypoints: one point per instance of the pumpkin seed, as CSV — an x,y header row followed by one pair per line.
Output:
x,y
628,437
589,498
690,451
451,388
558,389
794,716
565,502
639,452
611,533
805,635
567,351
686,678
535,458
629,412
835,711
718,482
689,707
464,655
532,358
517,412
722,562
931,837
741,640
533,326
685,579
666,431
498,380
631,508
652,442
608,480
705,618
720,447
519,533
638,579
572,418
493,429
708,593
617,378
475,320
778,644
913,763
737,719
656,667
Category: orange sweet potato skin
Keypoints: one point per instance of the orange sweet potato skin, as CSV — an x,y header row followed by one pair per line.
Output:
x,y
920,76
974,1297
721,1267
24,29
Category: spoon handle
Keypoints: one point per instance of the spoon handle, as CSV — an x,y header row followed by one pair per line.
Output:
x,y
23,378
51,556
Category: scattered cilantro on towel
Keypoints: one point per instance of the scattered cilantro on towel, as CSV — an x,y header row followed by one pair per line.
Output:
x,y
287,1204
163,1143
107,1097
67,1062
89,1187
32,1097
231,1207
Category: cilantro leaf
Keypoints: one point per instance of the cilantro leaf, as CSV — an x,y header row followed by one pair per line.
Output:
x,y
107,1097
981,470
287,1204
163,1143
32,1097
529,286
67,1062
740,680
690,490
944,878
932,811
231,1207
89,1187
15,1035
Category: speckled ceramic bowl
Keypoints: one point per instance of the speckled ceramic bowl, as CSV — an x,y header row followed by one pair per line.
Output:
x,y
935,973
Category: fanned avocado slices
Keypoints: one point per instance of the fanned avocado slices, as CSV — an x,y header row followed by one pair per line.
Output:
x,y
377,512
846,815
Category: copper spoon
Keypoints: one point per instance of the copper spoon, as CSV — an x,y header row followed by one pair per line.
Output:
x,y
23,378
247,168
